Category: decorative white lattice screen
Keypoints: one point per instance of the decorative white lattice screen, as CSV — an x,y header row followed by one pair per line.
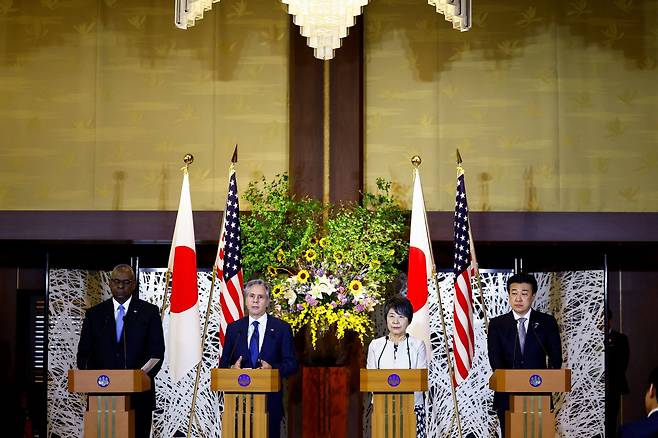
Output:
x,y
575,298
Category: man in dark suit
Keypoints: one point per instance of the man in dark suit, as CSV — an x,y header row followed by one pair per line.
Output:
x,y
260,340
524,338
124,332
616,363
647,427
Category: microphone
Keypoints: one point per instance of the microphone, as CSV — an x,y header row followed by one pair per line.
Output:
x,y
408,352
516,341
535,325
124,335
382,353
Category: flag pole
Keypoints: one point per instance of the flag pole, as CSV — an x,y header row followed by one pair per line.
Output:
x,y
473,258
234,159
203,344
164,298
415,161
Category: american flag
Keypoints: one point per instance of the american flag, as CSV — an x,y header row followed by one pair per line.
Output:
x,y
228,264
463,339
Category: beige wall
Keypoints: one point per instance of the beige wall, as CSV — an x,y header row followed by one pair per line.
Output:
x,y
553,104
100,100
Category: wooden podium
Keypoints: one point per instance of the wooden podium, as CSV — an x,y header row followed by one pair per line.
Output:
x,y
393,400
529,411
108,412
245,410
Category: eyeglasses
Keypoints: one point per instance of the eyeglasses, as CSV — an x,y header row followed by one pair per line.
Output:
x,y
117,282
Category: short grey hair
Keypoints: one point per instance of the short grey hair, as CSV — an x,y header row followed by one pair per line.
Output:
x,y
257,282
124,267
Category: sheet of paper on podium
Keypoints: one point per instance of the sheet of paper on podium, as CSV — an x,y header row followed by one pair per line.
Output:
x,y
148,366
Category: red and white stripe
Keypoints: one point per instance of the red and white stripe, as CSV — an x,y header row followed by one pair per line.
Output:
x,y
421,267
463,339
184,337
229,272
463,334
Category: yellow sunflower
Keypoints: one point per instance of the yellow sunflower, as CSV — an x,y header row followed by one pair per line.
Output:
x,y
375,264
323,242
302,276
355,287
280,255
271,271
338,256
276,290
313,241
310,255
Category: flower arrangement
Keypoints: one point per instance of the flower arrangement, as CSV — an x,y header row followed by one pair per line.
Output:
x,y
328,266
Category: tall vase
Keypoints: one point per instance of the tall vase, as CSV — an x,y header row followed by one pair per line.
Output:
x,y
329,351
325,397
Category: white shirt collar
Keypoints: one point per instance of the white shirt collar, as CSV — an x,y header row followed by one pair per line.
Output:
x,y
125,305
262,321
652,411
526,316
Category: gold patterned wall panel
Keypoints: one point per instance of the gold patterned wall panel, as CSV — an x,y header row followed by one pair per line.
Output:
x,y
100,100
553,104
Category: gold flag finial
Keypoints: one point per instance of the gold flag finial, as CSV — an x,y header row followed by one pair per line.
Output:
x,y
234,158
415,161
459,158
187,159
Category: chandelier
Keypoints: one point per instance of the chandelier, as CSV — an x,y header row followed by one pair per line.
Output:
x,y
324,23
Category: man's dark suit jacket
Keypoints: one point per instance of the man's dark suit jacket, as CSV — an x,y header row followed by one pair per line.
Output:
x,y
617,354
278,350
542,341
645,428
142,337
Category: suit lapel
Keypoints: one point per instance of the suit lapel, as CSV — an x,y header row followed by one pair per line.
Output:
x,y
108,314
243,346
130,320
511,325
514,331
268,340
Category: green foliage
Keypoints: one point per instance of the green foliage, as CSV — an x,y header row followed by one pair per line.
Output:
x,y
373,231
277,221
328,265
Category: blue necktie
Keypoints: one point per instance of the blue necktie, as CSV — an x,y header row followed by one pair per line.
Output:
x,y
120,315
253,344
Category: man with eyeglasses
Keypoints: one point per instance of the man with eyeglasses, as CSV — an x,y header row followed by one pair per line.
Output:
x,y
124,332
260,340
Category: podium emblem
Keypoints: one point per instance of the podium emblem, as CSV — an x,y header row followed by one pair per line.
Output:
x,y
535,380
103,381
393,380
244,380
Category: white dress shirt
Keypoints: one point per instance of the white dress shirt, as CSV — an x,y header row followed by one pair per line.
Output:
x,y
526,322
125,307
262,325
383,354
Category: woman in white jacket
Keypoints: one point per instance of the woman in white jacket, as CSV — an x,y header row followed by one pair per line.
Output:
x,y
398,350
